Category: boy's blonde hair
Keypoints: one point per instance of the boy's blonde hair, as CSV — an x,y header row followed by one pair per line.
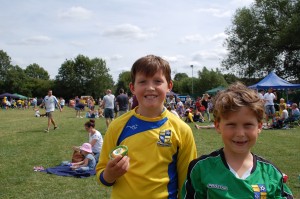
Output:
x,y
235,97
149,65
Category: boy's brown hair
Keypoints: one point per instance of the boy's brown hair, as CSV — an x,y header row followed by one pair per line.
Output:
x,y
149,65
234,98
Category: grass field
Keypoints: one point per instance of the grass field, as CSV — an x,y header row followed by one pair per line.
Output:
x,y
23,145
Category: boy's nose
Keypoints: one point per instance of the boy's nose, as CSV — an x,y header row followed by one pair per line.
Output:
x,y
240,131
150,87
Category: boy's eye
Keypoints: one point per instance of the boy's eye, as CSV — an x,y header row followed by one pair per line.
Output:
x,y
249,125
141,81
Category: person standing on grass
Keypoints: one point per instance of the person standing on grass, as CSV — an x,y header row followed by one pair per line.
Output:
x,y
50,101
269,98
122,102
234,171
160,145
108,104
204,102
62,103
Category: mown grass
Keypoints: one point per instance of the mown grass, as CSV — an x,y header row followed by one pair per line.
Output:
x,y
23,145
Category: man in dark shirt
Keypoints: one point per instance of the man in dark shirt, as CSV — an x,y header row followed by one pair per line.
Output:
x,y
122,102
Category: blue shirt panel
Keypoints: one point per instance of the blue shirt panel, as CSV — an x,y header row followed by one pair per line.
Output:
x,y
172,172
136,125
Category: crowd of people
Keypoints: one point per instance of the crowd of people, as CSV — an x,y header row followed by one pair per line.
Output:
x,y
280,116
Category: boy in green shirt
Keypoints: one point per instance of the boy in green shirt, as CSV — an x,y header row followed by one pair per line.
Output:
x,y
233,171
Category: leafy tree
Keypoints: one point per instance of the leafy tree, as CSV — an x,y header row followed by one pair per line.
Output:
x,y
37,72
5,66
230,78
209,79
180,76
83,76
123,82
185,86
263,38
15,81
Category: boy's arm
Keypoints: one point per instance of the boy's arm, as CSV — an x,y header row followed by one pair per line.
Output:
x,y
107,171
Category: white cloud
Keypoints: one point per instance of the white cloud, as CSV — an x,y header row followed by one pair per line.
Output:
x,y
115,57
217,37
77,43
173,59
203,39
215,12
240,3
77,13
35,40
192,38
208,55
127,31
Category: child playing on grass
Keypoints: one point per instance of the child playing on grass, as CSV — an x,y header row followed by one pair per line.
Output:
x,y
160,145
233,171
89,161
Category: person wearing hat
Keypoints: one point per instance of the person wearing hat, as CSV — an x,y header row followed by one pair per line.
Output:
x,y
89,161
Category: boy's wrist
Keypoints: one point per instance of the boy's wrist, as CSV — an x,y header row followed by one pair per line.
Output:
x,y
106,180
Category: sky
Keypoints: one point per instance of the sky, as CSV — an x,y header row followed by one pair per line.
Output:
x,y
184,32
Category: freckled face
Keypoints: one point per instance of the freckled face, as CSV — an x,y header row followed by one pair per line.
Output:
x,y
151,91
239,131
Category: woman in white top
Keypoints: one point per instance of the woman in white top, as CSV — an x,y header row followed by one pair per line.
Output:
x,y
95,138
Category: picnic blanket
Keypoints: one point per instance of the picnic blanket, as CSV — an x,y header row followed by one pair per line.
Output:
x,y
67,171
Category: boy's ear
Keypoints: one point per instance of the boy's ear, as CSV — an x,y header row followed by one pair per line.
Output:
x,y
170,86
131,87
260,125
217,126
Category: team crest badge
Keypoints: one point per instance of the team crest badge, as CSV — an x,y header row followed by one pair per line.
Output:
x,y
164,138
260,191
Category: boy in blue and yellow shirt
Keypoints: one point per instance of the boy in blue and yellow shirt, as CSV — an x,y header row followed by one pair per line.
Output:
x,y
160,145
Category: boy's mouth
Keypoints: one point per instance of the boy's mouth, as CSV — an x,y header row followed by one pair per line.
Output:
x,y
150,96
240,142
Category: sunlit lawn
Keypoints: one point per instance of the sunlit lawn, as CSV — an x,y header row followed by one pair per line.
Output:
x,y
23,145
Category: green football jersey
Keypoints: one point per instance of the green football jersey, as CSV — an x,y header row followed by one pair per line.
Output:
x,y
210,177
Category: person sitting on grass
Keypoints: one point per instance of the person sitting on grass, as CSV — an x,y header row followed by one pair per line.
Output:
x,y
89,161
234,171
295,114
95,138
198,117
279,121
188,116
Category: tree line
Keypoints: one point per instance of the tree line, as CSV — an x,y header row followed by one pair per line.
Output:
x,y
85,76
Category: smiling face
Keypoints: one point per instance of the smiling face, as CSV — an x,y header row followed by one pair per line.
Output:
x,y
239,131
150,92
